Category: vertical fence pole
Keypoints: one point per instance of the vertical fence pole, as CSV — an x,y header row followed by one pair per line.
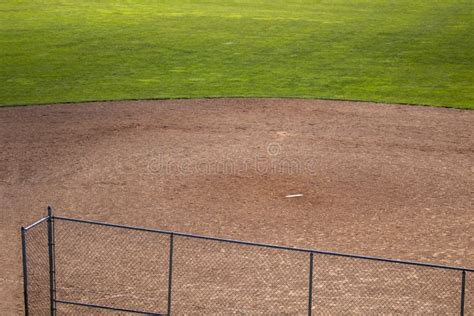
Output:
x,y
463,290
170,274
52,281
310,284
25,269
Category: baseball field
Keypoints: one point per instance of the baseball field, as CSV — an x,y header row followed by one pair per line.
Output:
x,y
253,120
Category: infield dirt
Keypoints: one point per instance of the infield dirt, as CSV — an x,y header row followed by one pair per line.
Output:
x,y
383,180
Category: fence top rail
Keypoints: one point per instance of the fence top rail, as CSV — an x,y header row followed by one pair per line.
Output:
x,y
263,245
35,223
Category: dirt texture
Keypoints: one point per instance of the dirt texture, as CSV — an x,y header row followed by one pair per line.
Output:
x,y
381,180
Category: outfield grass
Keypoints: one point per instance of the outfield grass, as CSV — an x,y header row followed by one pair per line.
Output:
x,y
404,51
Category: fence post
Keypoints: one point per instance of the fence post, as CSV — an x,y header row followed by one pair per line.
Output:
x,y
463,290
52,276
170,274
25,269
310,285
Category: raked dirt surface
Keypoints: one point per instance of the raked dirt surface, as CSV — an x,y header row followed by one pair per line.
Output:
x,y
382,180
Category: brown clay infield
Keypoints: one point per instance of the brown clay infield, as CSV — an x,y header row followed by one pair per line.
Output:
x,y
381,180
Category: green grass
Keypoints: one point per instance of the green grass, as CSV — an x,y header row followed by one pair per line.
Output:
x,y
404,51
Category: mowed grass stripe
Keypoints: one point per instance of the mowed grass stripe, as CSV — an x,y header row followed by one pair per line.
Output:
x,y
418,52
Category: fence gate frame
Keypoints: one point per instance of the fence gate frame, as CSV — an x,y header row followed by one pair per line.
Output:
x,y
53,301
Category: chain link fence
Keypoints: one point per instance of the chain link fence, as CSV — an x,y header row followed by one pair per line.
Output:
x,y
75,267
35,250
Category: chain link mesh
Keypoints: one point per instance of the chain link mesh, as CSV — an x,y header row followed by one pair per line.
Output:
x,y
67,310
112,267
36,241
212,277
364,287
469,298
129,269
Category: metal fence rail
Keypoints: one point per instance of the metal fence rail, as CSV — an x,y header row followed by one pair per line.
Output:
x,y
73,266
